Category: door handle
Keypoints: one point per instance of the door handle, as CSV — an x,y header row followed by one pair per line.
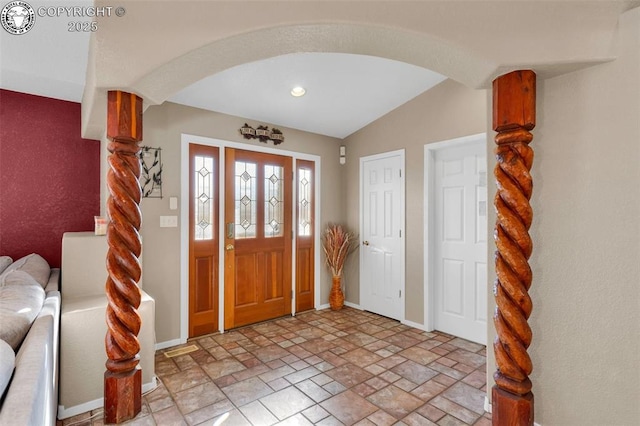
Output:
x,y
229,247
366,243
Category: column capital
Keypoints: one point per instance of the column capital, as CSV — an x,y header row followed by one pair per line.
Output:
x,y
514,101
124,116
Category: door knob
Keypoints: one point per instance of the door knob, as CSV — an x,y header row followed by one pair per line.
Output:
x,y
366,243
229,247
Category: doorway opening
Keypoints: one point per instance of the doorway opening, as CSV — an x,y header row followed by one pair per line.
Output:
x,y
278,204
455,226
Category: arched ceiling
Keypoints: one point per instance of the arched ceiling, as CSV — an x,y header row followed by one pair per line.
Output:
x,y
160,47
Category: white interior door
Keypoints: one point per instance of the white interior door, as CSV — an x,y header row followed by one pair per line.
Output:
x,y
460,246
382,260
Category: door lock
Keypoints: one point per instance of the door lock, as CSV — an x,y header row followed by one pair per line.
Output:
x,y
230,229
366,243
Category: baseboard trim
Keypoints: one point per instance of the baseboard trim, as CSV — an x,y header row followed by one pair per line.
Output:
x,y
64,413
168,344
487,408
349,304
414,325
487,405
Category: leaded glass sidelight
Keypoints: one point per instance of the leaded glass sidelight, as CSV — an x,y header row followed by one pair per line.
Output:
x,y
304,202
204,197
273,201
246,200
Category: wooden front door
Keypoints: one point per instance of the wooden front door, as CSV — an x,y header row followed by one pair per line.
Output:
x,y
258,236
203,239
305,254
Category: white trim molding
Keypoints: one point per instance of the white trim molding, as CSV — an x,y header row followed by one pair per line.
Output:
x,y
170,343
414,325
353,305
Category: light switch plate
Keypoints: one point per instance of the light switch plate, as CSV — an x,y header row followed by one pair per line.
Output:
x,y
168,221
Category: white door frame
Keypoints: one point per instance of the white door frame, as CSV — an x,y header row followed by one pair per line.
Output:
x,y
429,225
187,139
401,154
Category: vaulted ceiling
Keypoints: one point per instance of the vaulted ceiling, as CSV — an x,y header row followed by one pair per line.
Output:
x,y
358,60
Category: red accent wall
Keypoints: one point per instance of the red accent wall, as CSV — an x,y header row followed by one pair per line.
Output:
x,y
49,175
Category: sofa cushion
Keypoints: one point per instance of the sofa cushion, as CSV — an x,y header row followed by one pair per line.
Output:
x,y
7,365
21,299
34,265
5,261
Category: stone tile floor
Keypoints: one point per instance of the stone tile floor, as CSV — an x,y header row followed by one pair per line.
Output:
x,y
345,367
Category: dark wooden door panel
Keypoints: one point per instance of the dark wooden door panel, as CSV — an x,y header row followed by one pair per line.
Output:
x,y
204,284
304,279
203,239
305,254
258,243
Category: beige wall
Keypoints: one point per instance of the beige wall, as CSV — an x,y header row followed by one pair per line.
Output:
x,y
163,127
586,233
447,111
586,228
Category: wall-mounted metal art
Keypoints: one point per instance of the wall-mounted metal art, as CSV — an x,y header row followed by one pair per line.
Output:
x,y
151,172
262,133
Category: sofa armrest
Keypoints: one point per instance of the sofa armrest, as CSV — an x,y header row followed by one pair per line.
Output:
x,y
54,281
32,395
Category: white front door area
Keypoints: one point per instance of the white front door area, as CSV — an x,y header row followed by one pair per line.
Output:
x,y
457,242
382,257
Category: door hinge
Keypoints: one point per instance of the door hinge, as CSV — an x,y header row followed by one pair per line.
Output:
x,y
399,293
400,232
292,294
400,172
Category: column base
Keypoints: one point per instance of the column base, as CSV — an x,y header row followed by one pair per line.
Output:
x,y
511,409
122,395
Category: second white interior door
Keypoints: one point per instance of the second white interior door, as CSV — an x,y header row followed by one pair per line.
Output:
x,y
382,234
460,245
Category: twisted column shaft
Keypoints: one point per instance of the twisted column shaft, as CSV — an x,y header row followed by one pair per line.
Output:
x,y
123,387
513,118
514,247
123,266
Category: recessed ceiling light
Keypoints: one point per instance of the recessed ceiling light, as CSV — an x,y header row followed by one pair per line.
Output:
x,y
298,91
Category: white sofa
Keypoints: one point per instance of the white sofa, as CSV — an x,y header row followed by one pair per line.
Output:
x,y
83,326
29,303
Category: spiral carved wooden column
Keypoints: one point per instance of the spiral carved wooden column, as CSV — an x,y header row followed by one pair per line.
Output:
x,y
123,378
514,106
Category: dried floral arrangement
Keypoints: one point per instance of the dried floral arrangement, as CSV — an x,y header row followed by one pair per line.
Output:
x,y
337,243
